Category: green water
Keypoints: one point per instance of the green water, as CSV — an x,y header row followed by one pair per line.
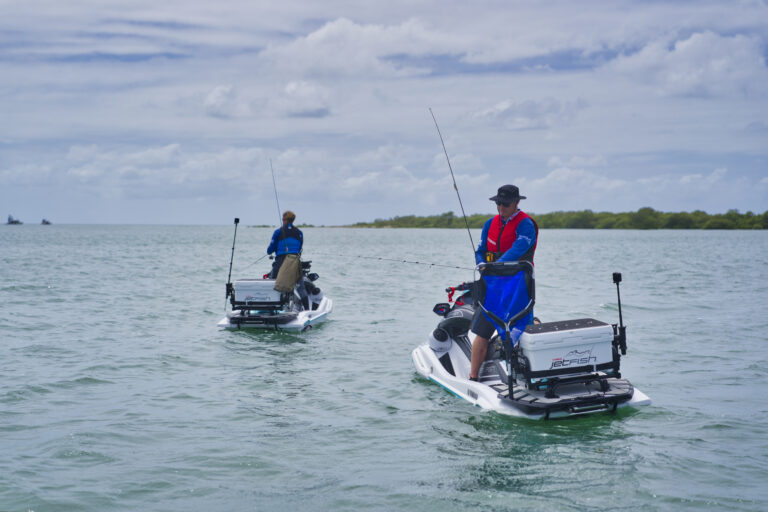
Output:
x,y
118,392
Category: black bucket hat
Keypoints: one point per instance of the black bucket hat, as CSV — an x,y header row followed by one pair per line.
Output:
x,y
507,194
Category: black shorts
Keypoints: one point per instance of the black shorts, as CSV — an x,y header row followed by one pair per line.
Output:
x,y
276,266
481,325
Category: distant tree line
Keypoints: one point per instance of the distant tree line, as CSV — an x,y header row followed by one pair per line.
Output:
x,y
644,218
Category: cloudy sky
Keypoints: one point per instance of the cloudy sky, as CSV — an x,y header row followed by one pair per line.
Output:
x,y
169,112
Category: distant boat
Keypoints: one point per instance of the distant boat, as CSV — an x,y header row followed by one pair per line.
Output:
x,y
11,220
46,222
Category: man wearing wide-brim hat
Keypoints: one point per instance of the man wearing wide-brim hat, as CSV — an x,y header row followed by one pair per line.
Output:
x,y
509,236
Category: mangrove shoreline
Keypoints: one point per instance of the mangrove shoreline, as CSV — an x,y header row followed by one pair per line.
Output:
x,y
644,218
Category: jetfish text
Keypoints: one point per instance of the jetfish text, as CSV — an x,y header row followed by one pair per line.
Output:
x,y
574,358
250,298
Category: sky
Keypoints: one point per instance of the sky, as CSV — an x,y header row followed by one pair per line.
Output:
x,y
146,112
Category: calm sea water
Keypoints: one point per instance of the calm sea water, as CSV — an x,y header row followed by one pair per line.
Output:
x,y
117,391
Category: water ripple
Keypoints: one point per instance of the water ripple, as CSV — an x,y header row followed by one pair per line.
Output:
x,y
121,394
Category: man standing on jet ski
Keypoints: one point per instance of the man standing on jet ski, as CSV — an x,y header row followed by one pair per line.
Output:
x,y
286,239
509,236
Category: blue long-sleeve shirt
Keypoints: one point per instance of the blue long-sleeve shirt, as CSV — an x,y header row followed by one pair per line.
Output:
x,y
526,237
290,244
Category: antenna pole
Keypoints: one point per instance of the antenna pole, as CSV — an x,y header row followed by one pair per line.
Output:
x,y
622,335
617,280
456,188
231,258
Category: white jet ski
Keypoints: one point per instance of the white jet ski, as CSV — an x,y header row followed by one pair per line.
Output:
x,y
539,371
257,305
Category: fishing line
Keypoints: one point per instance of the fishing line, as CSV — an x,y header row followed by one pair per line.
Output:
x,y
393,260
455,187
255,262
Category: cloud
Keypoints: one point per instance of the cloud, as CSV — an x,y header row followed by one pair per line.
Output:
x,y
578,161
342,48
564,182
463,163
365,177
178,171
221,102
566,188
544,114
171,170
82,153
704,64
701,183
380,177
28,174
713,191
336,93
305,99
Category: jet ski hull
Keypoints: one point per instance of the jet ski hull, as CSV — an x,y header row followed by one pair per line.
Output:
x,y
451,370
531,369
279,321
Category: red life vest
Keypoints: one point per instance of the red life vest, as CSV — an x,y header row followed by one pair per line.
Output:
x,y
501,237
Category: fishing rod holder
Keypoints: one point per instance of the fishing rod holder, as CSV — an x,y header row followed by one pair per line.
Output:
x,y
231,258
620,330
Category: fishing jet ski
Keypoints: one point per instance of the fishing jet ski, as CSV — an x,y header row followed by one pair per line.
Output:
x,y
534,370
257,305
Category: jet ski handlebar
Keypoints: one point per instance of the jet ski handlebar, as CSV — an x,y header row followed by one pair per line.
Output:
x,y
460,288
504,268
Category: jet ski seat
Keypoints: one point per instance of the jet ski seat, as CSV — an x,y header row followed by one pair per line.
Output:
x,y
457,321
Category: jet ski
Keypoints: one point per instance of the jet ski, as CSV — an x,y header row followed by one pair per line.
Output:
x,y
257,305
535,370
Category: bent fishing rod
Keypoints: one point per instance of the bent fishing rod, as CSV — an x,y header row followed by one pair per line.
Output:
x,y
455,187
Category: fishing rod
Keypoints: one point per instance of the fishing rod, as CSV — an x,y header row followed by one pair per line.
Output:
x,y
393,260
232,257
455,187
277,201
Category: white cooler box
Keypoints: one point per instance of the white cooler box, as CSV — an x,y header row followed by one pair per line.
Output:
x,y
558,346
256,292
